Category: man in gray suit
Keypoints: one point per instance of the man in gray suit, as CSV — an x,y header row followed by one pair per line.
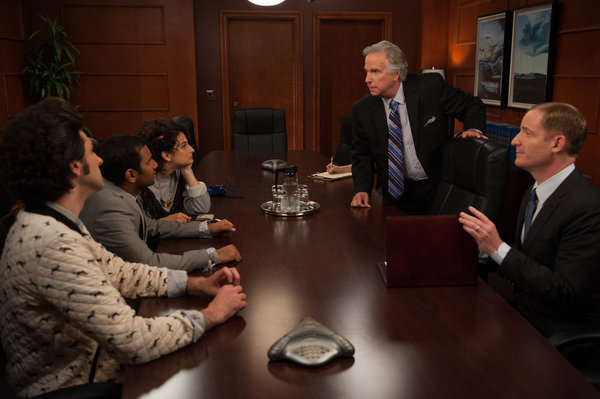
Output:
x,y
555,261
115,219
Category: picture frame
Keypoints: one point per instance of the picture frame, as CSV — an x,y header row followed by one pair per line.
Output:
x,y
532,55
492,57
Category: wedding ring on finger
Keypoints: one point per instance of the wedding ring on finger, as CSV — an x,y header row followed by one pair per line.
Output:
x,y
477,229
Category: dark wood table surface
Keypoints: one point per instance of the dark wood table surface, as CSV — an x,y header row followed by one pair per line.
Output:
x,y
435,342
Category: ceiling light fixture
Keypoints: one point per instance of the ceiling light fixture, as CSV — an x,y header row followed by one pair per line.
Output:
x,y
266,2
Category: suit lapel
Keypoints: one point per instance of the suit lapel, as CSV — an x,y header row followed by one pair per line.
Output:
x,y
379,118
521,218
132,203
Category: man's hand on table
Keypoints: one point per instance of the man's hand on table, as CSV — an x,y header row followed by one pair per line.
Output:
x,y
221,227
229,253
178,217
360,200
229,296
211,285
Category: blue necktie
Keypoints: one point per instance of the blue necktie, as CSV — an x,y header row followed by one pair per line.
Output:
x,y
529,211
396,153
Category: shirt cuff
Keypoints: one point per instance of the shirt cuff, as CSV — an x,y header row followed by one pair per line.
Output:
x,y
500,253
197,319
196,191
203,230
176,283
213,257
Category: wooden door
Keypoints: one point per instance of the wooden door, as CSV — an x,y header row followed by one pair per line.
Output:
x,y
339,82
262,67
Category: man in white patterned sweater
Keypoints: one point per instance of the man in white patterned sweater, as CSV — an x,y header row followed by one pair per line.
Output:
x,y
63,318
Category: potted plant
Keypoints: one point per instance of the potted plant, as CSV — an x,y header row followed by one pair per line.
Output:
x,y
50,69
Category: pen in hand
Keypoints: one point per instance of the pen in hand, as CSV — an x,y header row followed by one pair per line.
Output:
x,y
330,164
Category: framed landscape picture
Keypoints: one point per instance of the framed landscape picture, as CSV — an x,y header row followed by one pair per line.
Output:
x,y
531,64
491,57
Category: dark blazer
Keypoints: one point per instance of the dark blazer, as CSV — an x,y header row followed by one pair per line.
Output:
x,y
556,271
429,102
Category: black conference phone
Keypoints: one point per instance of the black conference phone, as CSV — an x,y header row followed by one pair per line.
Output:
x,y
310,344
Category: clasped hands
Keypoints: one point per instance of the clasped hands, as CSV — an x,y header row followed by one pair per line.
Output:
x,y
224,284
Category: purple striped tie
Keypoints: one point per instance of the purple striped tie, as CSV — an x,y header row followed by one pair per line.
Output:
x,y
396,153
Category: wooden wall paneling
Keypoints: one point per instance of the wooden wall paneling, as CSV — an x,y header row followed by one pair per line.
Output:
x,y
434,29
584,93
128,24
262,67
577,55
576,14
125,92
12,59
14,94
11,20
462,37
136,58
587,161
465,82
339,38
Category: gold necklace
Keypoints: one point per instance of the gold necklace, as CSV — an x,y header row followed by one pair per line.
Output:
x,y
169,202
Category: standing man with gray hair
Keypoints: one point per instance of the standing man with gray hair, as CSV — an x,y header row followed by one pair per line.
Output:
x,y
401,126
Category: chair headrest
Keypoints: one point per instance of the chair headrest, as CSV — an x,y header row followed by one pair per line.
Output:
x,y
469,163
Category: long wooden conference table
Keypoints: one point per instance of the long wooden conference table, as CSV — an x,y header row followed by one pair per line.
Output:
x,y
434,342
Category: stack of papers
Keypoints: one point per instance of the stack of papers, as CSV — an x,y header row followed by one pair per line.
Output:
x,y
328,176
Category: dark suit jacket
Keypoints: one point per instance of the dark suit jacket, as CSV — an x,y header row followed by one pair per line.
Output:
x,y
556,270
427,95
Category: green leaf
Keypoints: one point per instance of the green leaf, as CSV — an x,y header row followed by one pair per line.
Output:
x,y
51,68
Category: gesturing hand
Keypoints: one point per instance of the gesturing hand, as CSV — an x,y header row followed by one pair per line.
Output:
x,y
482,229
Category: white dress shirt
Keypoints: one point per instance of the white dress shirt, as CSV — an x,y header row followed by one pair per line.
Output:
x,y
412,166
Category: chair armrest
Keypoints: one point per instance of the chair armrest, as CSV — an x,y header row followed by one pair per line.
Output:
x,y
574,337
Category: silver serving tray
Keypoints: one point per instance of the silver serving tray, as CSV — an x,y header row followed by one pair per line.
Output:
x,y
307,208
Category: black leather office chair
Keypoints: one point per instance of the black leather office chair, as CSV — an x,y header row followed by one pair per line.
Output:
x,y
474,172
343,155
186,125
259,129
582,348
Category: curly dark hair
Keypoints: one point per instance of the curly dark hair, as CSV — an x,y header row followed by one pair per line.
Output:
x,y
36,150
160,135
120,153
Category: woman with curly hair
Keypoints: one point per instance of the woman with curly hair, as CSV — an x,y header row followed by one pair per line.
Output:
x,y
176,193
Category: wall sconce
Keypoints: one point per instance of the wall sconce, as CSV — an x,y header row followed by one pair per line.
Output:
x,y
433,70
266,2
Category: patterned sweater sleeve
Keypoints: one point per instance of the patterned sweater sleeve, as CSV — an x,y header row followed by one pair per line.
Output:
x,y
132,279
85,280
